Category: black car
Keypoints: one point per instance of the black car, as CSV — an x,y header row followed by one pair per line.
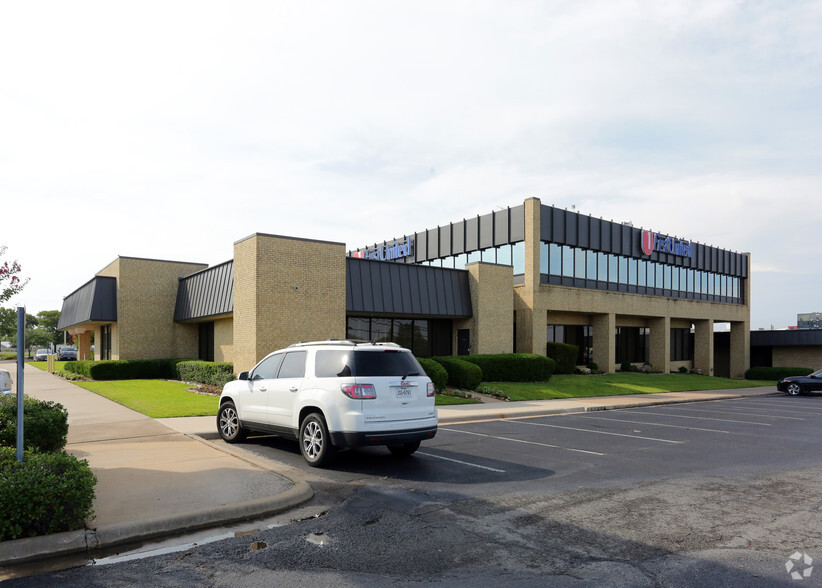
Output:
x,y
67,354
796,385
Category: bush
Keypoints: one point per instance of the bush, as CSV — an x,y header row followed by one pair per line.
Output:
x,y
513,367
627,366
436,372
205,372
126,369
45,424
593,366
775,373
564,355
683,369
47,493
461,374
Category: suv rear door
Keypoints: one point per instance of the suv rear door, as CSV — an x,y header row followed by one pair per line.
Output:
x,y
282,392
400,383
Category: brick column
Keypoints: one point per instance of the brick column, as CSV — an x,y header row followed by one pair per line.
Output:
x,y
740,348
660,356
704,346
604,341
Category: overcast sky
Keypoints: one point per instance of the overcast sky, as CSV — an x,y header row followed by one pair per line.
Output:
x,y
172,129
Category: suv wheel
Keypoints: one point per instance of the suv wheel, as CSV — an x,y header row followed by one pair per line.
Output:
x,y
228,423
315,444
405,449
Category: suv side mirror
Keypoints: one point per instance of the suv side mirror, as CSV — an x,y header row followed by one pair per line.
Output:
x,y
243,376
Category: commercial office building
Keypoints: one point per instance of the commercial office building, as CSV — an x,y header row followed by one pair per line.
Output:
x,y
506,281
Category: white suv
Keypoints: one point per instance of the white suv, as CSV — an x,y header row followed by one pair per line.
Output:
x,y
331,395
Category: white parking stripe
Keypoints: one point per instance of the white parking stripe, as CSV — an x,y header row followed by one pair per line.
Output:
x,y
800,405
656,424
770,409
473,465
682,416
523,441
598,432
715,411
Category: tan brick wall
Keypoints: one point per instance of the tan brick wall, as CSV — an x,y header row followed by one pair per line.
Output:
x,y
146,296
493,302
808,357
224,339
286,290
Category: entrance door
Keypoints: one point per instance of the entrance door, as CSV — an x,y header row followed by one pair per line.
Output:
x,y
463,341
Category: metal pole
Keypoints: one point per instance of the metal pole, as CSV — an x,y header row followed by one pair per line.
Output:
x,y
21,342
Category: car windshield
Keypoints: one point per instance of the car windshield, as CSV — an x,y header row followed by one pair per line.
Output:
x,y
381,362
39,351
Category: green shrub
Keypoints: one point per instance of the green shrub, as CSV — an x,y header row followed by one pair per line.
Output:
x,y
45,424
593,366
205,372
436,372
683,369
47,493
513,367
627,366
775,373
564,355
126,369
461,374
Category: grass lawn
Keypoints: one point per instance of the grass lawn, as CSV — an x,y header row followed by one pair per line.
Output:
x,y
443,400
566,386
43,365
155,398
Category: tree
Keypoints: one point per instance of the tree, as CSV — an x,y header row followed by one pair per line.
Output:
x,y
8,324
47,320
8,273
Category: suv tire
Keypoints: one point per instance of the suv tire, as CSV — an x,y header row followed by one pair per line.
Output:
x,y
405,449
315,443
228,424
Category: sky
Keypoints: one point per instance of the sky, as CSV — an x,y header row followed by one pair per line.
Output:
x,y
171,129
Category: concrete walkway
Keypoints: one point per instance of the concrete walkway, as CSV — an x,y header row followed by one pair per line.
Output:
x,y
160,477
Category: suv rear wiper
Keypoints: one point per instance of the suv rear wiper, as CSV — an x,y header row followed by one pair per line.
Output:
x,y
410,374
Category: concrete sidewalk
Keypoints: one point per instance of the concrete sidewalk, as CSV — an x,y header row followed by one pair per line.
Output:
x,y
160,477
152,480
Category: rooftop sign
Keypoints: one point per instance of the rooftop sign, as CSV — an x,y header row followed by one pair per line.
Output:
x,y
387,251
655,242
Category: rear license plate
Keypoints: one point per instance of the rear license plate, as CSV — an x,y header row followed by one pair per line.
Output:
x,y
404,393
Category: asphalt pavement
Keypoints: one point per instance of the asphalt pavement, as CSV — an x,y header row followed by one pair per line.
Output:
x,y
165,477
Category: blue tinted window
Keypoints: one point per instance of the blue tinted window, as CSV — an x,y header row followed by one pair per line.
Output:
x,y
519,258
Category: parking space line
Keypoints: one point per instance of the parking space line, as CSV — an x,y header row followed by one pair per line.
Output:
x,y
599,432
523,441
803,406
656,424
768,416
473,465
769,408
682,416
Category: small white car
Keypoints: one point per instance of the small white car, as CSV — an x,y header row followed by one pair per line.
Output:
x,y
331,395
5,382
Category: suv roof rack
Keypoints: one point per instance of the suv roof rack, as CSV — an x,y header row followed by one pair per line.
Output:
x,y
351,342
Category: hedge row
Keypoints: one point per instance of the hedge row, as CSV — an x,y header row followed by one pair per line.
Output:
x,y
436,372
125,369
461,374
47,493
513,367
204,372
775,373
565,356
45,424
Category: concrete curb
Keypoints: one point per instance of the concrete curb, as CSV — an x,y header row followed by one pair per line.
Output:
x,y
536,411
88,541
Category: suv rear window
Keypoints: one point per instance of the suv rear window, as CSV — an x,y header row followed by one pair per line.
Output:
x,y
384,362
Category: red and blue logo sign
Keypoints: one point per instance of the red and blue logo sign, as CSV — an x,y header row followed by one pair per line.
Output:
x,y
655,242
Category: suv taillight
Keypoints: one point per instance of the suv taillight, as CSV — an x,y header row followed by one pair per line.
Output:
x,y
430,390
359,391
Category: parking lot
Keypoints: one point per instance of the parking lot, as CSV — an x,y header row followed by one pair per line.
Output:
x,y
599,448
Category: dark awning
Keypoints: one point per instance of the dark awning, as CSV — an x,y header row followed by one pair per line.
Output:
x,y
402,289
94,301
207,293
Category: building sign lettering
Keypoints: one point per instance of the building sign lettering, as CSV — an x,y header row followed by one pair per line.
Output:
x,y
387,251
655,242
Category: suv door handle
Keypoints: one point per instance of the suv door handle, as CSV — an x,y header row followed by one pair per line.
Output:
x,y
292,389
263,389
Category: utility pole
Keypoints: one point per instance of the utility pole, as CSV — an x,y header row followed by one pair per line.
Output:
x,y
21,343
